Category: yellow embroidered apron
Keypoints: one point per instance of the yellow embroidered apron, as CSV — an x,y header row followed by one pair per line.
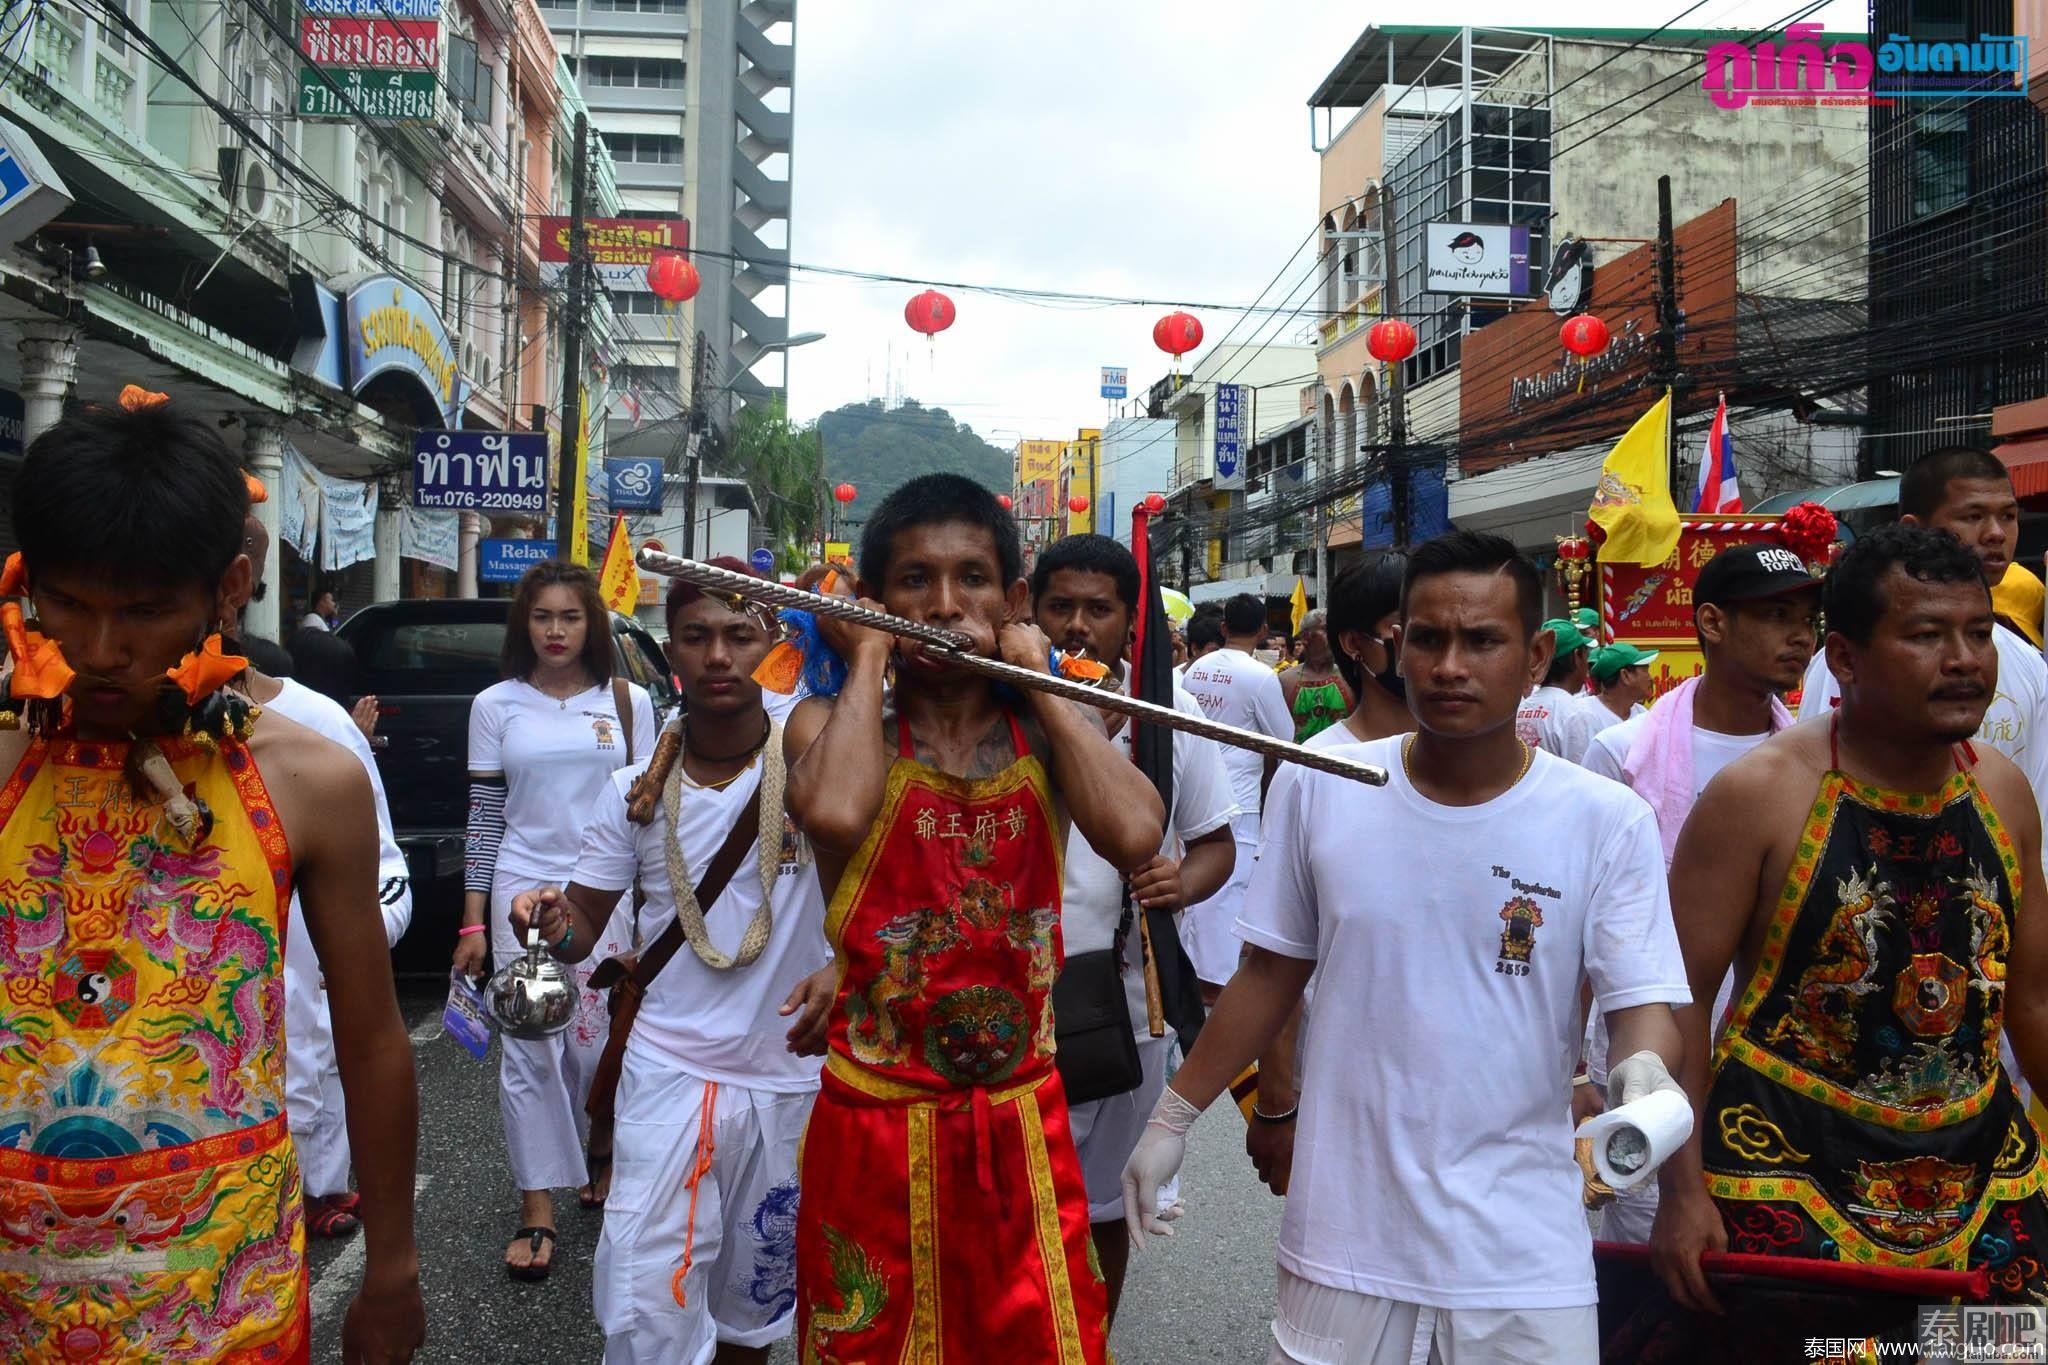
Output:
x,y
149,1195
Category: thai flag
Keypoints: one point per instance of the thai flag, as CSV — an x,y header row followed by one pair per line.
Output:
x,y
1717,491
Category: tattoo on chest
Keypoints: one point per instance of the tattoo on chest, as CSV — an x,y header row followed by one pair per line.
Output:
x,y
991,754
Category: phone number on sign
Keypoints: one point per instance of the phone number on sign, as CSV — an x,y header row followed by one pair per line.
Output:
x,y
463,501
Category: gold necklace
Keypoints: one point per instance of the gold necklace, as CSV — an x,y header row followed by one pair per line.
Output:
x,y
753,757
1408,770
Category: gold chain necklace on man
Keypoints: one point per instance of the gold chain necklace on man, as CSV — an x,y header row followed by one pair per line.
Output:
x,y
1408,770
753,755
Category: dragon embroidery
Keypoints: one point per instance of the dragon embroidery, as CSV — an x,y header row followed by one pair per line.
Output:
x,y
1821,1025
862,1291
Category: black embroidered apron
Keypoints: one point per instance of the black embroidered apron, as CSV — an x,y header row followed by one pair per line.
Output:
x,y
1859,1111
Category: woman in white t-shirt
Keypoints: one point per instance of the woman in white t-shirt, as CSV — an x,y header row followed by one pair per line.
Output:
x,y
542,746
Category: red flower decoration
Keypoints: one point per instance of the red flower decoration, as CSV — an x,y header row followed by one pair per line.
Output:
x,y
1807,530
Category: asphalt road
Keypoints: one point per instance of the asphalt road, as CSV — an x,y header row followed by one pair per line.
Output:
x,y
1205,1295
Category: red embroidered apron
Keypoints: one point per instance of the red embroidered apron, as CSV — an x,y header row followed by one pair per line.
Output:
x,y
943,1215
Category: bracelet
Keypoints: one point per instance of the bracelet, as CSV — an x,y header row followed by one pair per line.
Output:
x,y
1263,1117
568,937
468,929
1582,1079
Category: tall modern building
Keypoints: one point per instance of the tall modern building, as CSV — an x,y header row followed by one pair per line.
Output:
x,y
694,100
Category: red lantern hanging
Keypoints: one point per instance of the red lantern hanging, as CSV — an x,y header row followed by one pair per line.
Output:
x,y
1584,335
929,313
1177,333
1077,503
845,492
1155,503
1003,501
1391,340
671,277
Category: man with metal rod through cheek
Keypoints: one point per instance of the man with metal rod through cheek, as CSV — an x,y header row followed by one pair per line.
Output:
x,y
944,1215
153,834
1434,1209
1874,877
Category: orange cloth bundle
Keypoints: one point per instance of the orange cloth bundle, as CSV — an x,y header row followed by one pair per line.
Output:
x,y
206,670
39,668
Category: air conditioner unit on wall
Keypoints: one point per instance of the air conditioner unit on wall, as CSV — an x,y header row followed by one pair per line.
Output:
x,y
258,199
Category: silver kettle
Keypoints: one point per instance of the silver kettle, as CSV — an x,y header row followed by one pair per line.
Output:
x,y
534,997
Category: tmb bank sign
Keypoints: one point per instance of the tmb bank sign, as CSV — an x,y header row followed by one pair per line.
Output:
x,y
391,328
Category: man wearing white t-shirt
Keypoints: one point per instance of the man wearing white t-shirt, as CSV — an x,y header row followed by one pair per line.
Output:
x,y
1753,611
698,1256
1233,687
1084,593
315,1109
1434,1208
1551,718
1619,675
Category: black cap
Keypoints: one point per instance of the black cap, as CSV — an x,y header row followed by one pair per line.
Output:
x,y
1749,573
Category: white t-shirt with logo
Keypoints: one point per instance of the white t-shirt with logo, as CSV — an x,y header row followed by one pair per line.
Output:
x,y
721,1026
556,756
1232,687
2013,722
1091,899
1433,1155
1555,721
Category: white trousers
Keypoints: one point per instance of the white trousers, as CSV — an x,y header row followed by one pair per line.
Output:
x,y
1106,1132
699,1243
312,1081
1208,930
543,1084
1318,1325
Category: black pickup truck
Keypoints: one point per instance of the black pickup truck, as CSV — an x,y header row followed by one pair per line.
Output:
x,y
425,660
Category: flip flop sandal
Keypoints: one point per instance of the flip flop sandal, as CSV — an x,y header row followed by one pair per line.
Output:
x,y
328,1218
599,1166
348,1201
531,1272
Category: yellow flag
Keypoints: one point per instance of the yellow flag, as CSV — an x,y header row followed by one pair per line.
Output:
x,y
1633,503
619,580
1299,603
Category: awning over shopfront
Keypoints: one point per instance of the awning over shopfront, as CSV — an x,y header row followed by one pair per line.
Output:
x,y
1840,497
2027,460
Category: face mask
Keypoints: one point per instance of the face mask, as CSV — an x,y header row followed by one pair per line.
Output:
x,y
1396,686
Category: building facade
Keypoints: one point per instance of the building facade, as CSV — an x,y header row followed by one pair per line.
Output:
x,y
694,100
325,287
1564,136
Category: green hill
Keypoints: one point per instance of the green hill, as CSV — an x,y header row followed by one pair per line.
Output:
x,y
875,449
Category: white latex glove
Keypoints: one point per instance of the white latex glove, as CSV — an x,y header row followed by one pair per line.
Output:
x,y
1642,1073
1157,1160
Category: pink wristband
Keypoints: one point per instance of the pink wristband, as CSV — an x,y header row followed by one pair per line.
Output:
x,y
468,929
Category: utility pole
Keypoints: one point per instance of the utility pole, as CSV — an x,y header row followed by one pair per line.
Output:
x,y
700,380
1395,461
570,468
1667,325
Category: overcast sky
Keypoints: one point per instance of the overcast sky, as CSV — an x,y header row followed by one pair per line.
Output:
x,y
1128,147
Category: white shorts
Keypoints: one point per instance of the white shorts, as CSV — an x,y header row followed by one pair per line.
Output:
x,y
313,1100
1208,930
1106,1132
1318,1325
739,1230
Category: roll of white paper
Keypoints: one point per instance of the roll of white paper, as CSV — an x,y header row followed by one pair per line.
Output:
x,y
1631,1142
